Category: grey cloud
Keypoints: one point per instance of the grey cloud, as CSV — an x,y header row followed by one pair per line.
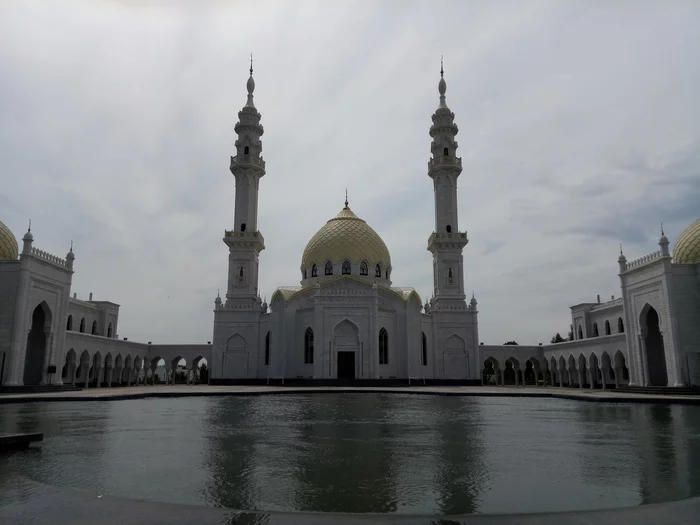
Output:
x,y
577,132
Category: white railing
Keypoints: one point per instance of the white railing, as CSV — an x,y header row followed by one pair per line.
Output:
x,y
40,254
609,304
445,161
248,159
643,260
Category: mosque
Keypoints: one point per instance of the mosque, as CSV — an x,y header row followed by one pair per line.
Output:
x,y
346,320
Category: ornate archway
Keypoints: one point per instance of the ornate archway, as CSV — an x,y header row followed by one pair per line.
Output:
x,y
654,351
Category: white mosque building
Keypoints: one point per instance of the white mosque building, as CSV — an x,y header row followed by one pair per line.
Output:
x,y
345,321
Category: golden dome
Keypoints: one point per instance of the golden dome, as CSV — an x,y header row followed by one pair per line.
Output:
x,y
346,237
9,249
687,248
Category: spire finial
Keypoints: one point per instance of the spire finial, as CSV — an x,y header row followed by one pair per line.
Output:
x,y
29,230
620,248
662,229
346,197
71,246
442,71
251,64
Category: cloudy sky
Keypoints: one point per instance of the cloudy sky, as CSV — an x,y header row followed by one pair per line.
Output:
x,y
579,129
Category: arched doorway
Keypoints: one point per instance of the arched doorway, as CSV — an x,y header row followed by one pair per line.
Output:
x,y
346,342
36,345
654,346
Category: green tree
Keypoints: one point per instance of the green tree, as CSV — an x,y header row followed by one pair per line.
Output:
x,y
510,343
557,338
204,373
571,332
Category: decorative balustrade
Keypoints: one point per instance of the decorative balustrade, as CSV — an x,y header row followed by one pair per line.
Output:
x,y
643,260
609,304
243,235
248,159
40,254
445,161
444,236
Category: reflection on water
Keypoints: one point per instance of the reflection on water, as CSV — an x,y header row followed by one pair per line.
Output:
x,y
396,453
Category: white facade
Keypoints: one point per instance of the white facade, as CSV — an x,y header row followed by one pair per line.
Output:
x,y
345,320
48,337
648,337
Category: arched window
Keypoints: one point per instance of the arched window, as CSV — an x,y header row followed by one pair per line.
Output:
x,y
424,349
449,273
607,328
620,326
595,330
329,268
445,152
448,228
378,271
82,325
267,349
314,270
580,332
363,268
309,347
246,150
346,268
69,325
240,272
383,347
94,328
243,226
109,330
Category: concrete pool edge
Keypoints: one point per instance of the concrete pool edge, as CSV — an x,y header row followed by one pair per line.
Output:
x,y
49,504
143,392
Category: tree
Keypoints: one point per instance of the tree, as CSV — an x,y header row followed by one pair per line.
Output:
x,y
204,373
510,343
571,332
557,338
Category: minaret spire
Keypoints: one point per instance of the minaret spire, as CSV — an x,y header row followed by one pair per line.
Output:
x,y
250,85
442,86
346,197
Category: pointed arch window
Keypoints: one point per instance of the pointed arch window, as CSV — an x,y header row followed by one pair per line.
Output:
x,y
595,330
620,326
69,325
109,330
267,349
82,326
445,152
329,268
94,328
314,270
309,347
378,271
607,328
424,349
383,347
346,269
246,150
363,268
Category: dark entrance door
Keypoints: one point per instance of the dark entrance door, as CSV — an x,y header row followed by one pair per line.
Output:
x,y
346,365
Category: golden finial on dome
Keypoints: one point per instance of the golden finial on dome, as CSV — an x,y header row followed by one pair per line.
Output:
x,y
346,197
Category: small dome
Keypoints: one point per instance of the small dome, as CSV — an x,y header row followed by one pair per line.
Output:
x,y
9,249
687,248
346,237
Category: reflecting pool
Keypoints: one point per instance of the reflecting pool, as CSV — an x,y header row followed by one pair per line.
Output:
x,y
408,454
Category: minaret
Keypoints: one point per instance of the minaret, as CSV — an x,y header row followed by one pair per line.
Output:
x,y
245,241
446,242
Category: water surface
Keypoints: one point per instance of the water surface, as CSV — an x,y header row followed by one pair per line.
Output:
x,y
406,454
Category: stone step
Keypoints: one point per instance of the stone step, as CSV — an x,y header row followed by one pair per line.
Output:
x,y
660,390
37,389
